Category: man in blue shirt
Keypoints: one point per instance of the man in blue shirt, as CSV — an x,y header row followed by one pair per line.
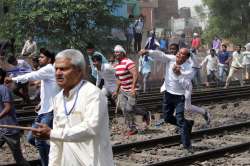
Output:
x,y
8,117
224,59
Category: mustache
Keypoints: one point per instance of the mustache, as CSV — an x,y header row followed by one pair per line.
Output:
x,y
60,77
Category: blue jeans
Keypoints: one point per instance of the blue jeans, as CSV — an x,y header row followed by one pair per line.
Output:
x,y
41,145
197,77
170,104
223,72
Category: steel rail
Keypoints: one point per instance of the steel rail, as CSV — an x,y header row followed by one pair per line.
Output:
x,y
155,102
174,140
212,154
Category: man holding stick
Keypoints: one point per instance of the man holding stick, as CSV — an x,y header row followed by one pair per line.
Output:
x,y
49,89
8,117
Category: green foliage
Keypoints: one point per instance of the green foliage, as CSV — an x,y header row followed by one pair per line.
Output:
x,y
60,24
228,19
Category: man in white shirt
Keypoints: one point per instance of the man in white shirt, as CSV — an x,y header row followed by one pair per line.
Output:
x,y
29,48
246,61
212,62
174,99
236,66
90,49
186,83
49,89
107,73
80,134
144,68
196,68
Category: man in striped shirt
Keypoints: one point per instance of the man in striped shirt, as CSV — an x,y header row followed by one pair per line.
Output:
x,y
127,75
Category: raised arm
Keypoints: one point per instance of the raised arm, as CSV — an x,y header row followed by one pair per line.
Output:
x,y
158,55
41,74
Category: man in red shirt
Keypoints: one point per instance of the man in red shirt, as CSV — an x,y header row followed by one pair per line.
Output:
x,y
127,75
196,42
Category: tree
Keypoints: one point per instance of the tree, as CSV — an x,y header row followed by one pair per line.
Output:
x,y
228,19
60,24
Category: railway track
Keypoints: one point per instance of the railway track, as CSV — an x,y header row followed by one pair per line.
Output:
x,y
167,151
152,101
234,89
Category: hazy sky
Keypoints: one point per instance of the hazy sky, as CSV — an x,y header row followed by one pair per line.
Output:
x,y
189,3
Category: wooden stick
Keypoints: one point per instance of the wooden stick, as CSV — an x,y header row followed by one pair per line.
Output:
x,y
18,127
117,104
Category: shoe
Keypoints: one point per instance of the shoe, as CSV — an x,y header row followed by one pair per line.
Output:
x,y
159,123
207,117
188,151
177,130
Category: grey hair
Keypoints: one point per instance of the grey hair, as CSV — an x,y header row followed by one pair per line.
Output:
x,y
76,57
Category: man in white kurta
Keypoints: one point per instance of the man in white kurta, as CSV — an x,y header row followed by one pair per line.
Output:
x,y
49,89
80,134
236,66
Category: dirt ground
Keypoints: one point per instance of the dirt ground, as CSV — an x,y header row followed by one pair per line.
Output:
x,y
221,114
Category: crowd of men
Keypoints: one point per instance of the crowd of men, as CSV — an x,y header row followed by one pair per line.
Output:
x,y
74,91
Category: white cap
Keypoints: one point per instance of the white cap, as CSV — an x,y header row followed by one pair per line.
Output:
x,y
119,48
195,34
247,46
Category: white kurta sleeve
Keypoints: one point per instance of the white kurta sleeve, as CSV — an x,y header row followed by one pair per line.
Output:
x,y
95,109
41,74
160,56
55,154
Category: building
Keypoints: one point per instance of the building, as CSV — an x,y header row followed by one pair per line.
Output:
x,y
165,11
126,8
148,8
184,25
184,12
